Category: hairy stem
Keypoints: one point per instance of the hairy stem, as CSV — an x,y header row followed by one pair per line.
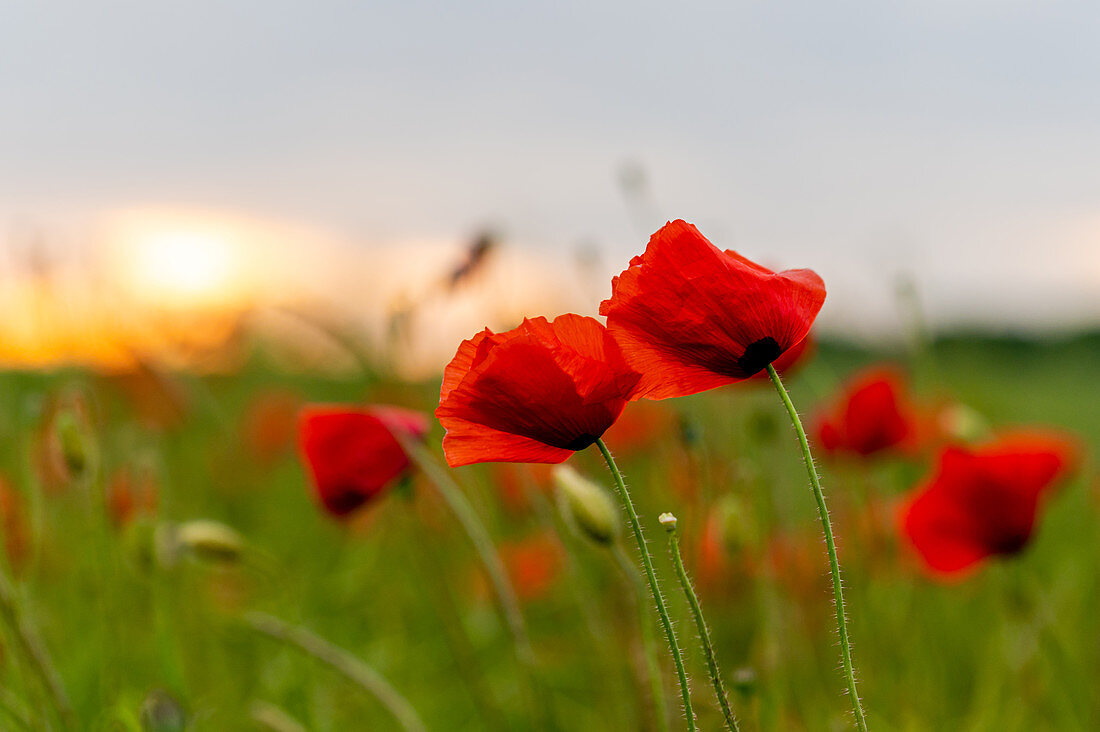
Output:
x,y
700,625
654,588
649,640
830,545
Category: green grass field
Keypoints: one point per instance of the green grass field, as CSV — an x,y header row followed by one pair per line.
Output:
x,y
1016,646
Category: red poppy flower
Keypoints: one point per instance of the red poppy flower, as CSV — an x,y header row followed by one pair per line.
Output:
x,y
131,493
533,565
534,394
691,317
983,502
641,425
872,414
351,452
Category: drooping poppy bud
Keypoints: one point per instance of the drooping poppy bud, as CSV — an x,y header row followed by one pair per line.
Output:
x,y
161,712
75,442
203,539
587,505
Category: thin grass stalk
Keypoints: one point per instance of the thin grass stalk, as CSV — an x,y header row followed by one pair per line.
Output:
x,y
35,650
341,661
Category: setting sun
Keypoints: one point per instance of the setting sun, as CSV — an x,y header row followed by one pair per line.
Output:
x,y
185,265
180,260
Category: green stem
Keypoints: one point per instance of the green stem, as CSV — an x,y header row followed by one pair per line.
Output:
x,y
700,623
35,651
649,641
479,536
830,545
654,588
337,658
467,517
426,555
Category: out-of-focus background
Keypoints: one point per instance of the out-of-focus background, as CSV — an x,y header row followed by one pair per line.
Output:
x,y
342,159
215,213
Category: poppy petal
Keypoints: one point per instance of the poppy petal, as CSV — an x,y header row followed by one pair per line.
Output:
x,y
533,394
691,317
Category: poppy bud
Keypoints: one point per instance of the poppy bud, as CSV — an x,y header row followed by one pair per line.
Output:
x,y
586,505
736,528
667,520
160,712
75,443
744,681
203,539
963,423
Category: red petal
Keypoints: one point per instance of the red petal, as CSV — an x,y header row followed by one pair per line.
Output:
x,y
691,317
984,502
351,453
533,394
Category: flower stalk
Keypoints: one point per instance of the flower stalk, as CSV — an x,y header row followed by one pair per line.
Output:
x,y
830,546
669,522
649,640
340,660
479,536
654,588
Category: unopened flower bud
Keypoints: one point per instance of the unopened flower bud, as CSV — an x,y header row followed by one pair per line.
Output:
x,y
74,441
209,541
745,681
735,526
667,520
960,422
160,712
586,505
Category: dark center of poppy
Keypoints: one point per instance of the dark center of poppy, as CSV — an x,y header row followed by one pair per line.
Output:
x,y
344,500
581,442
1010,543
758,355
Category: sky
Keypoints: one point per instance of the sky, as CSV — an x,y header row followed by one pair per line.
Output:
x,y
954,143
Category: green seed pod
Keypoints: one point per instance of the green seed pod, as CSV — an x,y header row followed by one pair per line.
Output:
x,y
210,541
964,423
745,681
160,712
586,505
74,441
737,529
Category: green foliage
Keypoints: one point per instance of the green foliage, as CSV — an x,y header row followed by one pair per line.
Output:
x,y
140,641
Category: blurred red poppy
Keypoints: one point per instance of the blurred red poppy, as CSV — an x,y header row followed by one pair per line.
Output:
x,y
533,565
983,502
872,414
352,454
515,484
15,525
534,394
691,317
131,493
641,425
269,424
